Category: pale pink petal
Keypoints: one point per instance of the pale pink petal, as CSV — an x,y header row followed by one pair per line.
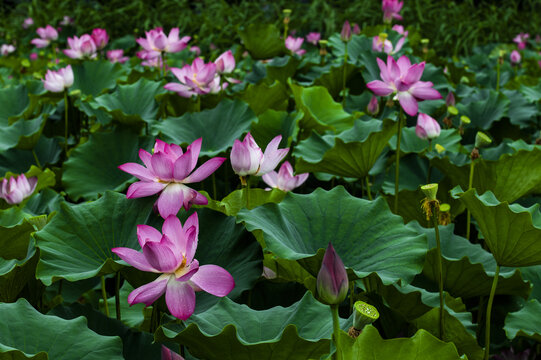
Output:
x,y
180,299
404,64
146,158
191,243
198,198
171,200
172,228
143,188
148,293
271,179
423,90
392,68
134,258
146,233
161,255
408,103
205,170
162,166
193,220
414,73
380,88
214,279
183,166
195,147
384,73
137,170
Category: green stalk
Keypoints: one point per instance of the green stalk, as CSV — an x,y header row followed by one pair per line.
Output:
x,y
164,65
368,188
336,332
247,190
489,310
198,104
397,170
117,296
36,158
440,268
104,295
66,121
470,185
498,75
345,75
429,171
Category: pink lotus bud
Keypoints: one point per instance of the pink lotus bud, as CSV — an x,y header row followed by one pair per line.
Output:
x,y
391,10
332,279
313,37
58,81
6,49
294,45
15,190
196,50
100,38
33,56
225,63
28,22
168,354
356,29
48,33
345,34
248,159
521,40
450,99
373,106
515,57
83,47
117,56
427,127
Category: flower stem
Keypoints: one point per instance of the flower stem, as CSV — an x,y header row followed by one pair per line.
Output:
x,y
104,295
368,188
489,310
336,331
429,171
345,75
164,65
117,296
498,75
470,185
247,190
36,158
435,216
198,104
397,170
66,121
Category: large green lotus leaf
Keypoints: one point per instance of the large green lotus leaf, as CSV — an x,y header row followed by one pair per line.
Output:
x,y
262,97
352,153
92,168
133,103
22,133
236,332
26,333
272,123
329,76
468,270
77,243
14,101
219,127
532,93
281,69
521,111
359,52
421,346
525,323
411,143
15,230
93,111
366,235
43,203
484,108
18,161
94,77
533,275
262,40
14,274
238,199
509,177
321,112
136,345
511,232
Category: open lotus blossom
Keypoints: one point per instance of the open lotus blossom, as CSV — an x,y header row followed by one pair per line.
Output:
x,y
167,171
6,49
294,45
313,37
195,79
58,81
171,254
46,35
284,178
403,78
427,127
28,22
521,40
515,57
156,42
15,190
400,29
382,44
80,48
117,56
332,279
100,38
225,63
391,10
248,159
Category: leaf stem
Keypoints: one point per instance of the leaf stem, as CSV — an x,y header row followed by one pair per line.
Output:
x,y
470,185
66,121
397,170
435,216
429,171
104,295
36,158
345,75
336,331
117,296
368,188
214,186
489,310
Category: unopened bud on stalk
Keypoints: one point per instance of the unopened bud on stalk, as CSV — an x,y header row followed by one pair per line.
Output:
x,y
482,140
332,279
323,47
345,34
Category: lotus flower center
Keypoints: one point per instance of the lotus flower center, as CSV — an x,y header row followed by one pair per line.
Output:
x,y
182,269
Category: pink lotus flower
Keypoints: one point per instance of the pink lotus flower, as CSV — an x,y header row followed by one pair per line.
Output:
x,y
356,29
6,49
400,29
33,56
248,159
294,45
381,43
391,10
100,38
332,279
196,50
28,22
46,35
427,127
168,354
156,43
402,78
15,190
225,63
345,34
156,62
167,172
373,106
172,255
313,37
521,40
80,48
284,179
58,81
117,56
196,79
514,57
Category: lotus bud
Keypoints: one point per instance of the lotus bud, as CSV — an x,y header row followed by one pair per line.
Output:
x,y
450,99
515,57
427,127
356,29
373,106
482,140
345,34
332,279
430,191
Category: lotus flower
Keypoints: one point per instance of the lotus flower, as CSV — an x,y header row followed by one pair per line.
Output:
x,y
15,190
172,256
284,179
521,40
6,49
225,63
46,35
117,56
83,47
100,38
402,78
332,279
391,10
168,354
196,79
514,57
167,172
381,43
400,29
58,81
427,127
248,159
156,43
154,62
67,20
294,45
28,22
345,34
373,106
313,37
356,29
